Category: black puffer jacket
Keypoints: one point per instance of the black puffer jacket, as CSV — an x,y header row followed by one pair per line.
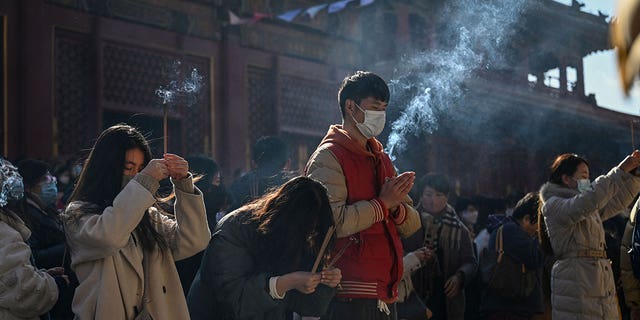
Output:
x,y
230,286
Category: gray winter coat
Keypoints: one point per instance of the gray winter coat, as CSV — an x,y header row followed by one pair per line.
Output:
x,y
581,287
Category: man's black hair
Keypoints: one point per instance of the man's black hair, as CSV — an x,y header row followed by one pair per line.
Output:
x,y
362,85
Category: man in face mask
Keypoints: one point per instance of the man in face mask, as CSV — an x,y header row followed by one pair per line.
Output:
x,y
469,215
369,200
38,211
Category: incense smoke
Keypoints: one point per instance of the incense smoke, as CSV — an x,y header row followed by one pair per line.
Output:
x,y
473,36
186,88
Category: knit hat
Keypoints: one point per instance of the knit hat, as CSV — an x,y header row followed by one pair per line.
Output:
x,y
32,171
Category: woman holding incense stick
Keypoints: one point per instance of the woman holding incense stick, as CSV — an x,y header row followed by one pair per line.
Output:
x,y
570,221
122,246
258,263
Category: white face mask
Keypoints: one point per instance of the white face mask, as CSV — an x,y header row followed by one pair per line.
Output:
x,y
373,123
509,212
470,217
583,185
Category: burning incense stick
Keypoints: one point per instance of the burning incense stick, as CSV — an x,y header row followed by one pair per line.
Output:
x,y
323,247
186,88
165,129
633,144
341,252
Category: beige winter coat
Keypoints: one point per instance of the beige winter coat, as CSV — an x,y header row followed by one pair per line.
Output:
x,y
584,288
25,292
108,262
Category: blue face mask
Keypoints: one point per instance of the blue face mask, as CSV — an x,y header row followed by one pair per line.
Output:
x,y
583,185
48,193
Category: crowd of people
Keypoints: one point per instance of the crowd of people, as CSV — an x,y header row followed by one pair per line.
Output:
x,y
124,235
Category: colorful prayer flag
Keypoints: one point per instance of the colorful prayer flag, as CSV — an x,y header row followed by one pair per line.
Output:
x,y
338,6
315,9
257,16
235,20
289,15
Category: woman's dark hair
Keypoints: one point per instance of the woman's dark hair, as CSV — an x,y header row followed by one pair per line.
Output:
x,y
543,236
565,164
101,178
292,222
527,206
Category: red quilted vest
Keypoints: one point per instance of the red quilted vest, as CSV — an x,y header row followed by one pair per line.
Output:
x,y
372,266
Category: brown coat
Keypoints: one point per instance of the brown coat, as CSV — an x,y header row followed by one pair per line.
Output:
x,y
25,292
108,263
456,251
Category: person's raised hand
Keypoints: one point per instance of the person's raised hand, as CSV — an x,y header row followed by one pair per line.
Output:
x,y
396,189
424,254
630,162
157,169
178,167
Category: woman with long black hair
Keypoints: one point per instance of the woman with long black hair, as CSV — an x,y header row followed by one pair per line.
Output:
x,y
573,208
122,247
258,263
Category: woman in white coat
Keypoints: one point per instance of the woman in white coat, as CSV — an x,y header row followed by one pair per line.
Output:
x,y
25,292
122,247
582,285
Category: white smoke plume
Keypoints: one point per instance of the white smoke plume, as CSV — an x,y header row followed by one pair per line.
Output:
x,y
185,87
474,34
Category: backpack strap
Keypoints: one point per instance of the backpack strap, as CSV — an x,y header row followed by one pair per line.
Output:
x,y
500,248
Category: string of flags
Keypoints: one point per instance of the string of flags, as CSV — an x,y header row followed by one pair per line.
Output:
x,y
290,15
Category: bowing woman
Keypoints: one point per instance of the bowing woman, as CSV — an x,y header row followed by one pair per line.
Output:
x,y
258,263
122,246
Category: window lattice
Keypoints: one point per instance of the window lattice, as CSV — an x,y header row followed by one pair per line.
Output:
x,y
419,31
198,116
73,65
308,106
262,111
132,75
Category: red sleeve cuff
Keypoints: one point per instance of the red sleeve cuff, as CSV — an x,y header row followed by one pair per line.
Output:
x,y
400,215
379,210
